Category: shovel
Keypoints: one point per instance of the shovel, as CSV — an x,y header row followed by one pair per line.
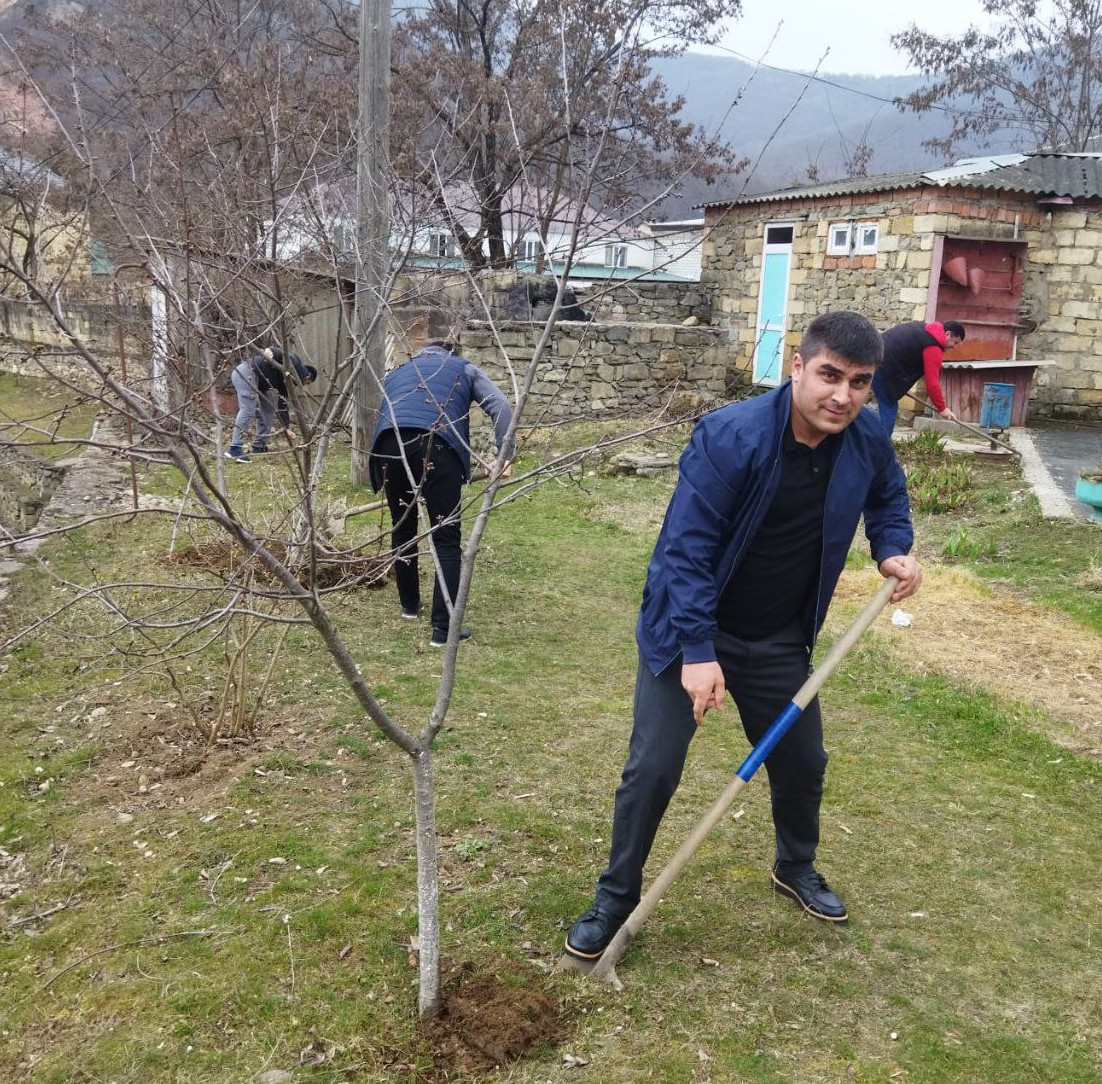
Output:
x,y
605,968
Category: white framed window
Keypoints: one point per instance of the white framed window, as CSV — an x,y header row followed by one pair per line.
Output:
x,y
441,243
847,238
840,239
867,237
616,255
530,249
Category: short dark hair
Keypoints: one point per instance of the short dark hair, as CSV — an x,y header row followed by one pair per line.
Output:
x,y
955,328
311,375
277,353
849,335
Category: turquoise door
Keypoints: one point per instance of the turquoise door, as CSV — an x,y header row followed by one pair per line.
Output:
x,y
772,305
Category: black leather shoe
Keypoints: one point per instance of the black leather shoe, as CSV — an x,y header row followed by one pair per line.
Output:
x,y
812,893
591,933
440,637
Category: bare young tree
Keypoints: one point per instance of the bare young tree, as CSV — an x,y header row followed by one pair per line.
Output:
x,y
1032,77
193,182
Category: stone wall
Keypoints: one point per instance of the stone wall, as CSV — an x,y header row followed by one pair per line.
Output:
x,y
1062,274
26,484
1063,288
642,302
598,369
646,302
28,333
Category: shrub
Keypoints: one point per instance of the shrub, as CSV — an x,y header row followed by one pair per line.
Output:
x,y
960,544
923,447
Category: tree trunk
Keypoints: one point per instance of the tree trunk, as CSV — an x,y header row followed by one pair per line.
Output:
x,y
373,236
428,885
471,247
493,221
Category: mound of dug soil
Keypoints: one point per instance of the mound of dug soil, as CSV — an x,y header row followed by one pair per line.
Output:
x,y
227,560
489,1019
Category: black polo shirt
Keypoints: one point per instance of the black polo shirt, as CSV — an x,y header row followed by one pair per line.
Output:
x,y
773,583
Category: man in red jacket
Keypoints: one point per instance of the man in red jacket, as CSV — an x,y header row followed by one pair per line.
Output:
x,y
914,350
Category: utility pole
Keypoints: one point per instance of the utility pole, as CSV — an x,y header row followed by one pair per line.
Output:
x,y
372,231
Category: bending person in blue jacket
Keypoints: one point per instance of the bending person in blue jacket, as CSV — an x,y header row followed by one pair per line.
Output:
x,y
767,502
422,447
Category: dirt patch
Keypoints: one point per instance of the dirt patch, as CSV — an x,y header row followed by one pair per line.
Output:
x,y
148,757
334,568
491,1017
994,637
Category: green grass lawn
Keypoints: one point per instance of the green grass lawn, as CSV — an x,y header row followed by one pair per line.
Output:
x,y
219,913
44,415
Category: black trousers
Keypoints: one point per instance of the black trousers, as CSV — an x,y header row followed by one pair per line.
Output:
x,y
762,676
437,475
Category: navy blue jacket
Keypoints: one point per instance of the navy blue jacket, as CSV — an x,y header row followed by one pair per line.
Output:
x,y
728,476
434,391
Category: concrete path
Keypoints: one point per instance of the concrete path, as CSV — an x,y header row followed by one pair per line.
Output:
x,y
1058,454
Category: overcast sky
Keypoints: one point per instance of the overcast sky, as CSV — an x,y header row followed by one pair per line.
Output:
x,y
855,31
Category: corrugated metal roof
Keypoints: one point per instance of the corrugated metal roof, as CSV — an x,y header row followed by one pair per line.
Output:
x,y
1075,175
849,186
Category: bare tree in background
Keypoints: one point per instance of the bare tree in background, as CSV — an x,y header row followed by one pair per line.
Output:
x,y
41,215
1034,77
501,106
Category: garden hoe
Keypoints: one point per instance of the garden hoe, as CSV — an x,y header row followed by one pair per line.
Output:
x,y
969,426
605,967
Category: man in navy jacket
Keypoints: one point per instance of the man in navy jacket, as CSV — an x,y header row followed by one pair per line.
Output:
x,y
422,447
768,498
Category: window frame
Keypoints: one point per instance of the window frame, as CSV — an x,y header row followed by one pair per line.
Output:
x,y
616,254
441,244
834,249
860,248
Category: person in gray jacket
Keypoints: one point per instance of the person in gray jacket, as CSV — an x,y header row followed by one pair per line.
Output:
x,y
422,448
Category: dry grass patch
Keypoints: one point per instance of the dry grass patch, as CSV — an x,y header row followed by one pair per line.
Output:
x,y
996,638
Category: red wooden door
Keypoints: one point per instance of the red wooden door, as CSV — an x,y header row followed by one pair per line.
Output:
x,y
979,283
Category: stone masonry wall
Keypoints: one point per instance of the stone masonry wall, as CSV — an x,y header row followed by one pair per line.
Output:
x,y
646,302
643,302
604,368
1062,280
26,483
1063,288
27,332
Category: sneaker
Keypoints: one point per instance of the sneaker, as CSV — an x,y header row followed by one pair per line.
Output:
x,y
412,615
260,449
591,933
440,637
811,892
237,457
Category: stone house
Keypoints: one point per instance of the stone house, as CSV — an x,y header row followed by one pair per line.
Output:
x,y
1010,246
